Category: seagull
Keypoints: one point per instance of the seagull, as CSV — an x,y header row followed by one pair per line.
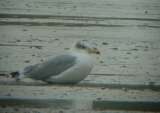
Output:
x,y
71,67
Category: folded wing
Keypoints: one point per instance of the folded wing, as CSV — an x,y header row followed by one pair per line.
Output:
x,y
52,67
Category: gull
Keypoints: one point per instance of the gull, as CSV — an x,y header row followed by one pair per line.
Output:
x,y
71,67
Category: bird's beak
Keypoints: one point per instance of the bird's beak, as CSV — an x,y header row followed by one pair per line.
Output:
x,y
93,51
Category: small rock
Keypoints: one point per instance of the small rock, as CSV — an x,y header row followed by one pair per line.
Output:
x,y
146,47
147,73
42,60
128,53
99,98
104,43
115,48
66,48
101,61
38,47
25,30
56,39
146,12
39,40
28,5
74,6
27,61
125,89
123,66
135,49
18,40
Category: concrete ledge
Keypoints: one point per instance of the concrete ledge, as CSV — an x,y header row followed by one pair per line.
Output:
x,y
36,102
76,97
50,16
100,81
126,105
73,104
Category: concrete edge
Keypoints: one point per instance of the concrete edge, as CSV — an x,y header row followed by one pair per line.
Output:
x,y
126,105
36,102
155,87
72,104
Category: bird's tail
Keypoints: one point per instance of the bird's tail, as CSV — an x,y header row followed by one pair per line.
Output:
x,y
15,74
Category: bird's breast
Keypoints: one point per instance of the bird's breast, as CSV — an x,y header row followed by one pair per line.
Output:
x,y
77,72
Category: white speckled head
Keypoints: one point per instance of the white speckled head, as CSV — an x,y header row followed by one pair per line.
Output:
x,y
87,46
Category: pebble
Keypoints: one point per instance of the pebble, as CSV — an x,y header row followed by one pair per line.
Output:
x,y
135,49
66,48
99,98
18,40
38,47
101,61
27,61
24,29
128,53
104,43
125,89
146,12
115,48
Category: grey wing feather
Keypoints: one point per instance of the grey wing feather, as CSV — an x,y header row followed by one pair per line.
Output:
x,y
51,67
30,68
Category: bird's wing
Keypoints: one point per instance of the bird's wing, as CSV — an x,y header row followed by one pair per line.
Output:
x,y
51,67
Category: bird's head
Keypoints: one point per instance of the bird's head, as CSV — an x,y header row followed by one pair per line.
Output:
x,y
87,46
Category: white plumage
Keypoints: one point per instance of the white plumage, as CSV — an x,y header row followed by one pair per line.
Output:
x,y
71,67
82,67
